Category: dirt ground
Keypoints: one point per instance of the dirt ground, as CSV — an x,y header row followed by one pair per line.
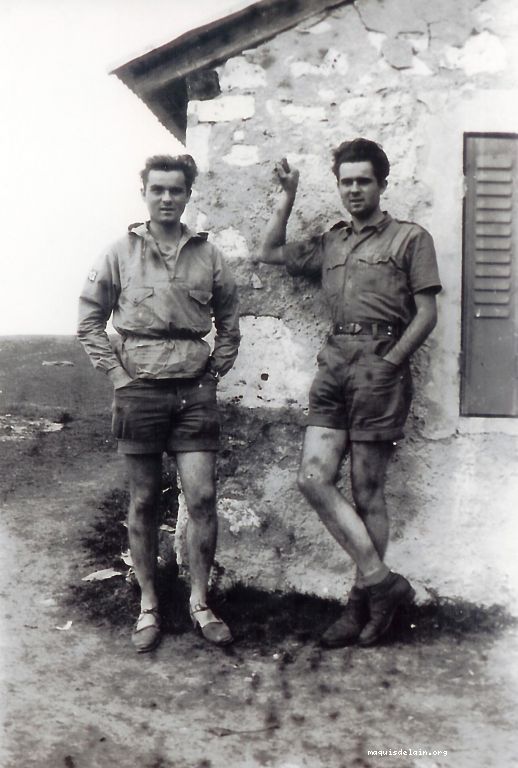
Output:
x,y
75,695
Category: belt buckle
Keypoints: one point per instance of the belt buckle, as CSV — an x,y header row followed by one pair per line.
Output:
x,y
355,328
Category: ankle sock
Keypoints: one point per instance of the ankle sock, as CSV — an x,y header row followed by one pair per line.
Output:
x,y
375,578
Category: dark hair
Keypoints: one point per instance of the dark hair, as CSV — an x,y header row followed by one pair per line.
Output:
x,y
358,150
184,163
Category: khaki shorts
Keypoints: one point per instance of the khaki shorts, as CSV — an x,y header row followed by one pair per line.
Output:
x,y
172,415
355,390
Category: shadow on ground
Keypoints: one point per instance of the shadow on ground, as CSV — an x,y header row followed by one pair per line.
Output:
x,y
260,619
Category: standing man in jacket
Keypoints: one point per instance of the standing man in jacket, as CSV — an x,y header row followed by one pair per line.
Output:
x,y
160,283
380,278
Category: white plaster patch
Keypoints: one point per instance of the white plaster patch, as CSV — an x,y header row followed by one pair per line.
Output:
x,y
376,39
242,74
242,154
311,167
327,94
301,115
300,68
223,109
405,16
274,367
180,538
354,106
239,136
335,62
198,145
238,514
231,242
483,53
419,68
320,28
381,109
419,44
398,53
458,528
202,222
194,218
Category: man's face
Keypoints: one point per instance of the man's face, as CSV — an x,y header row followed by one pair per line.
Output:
x,y
166,196
359,189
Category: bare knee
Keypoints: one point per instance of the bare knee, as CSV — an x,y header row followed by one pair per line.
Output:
x,y
311,482
142,514
201,504
369,499
143,502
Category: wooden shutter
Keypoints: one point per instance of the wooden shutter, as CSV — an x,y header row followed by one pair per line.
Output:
x,y
490,268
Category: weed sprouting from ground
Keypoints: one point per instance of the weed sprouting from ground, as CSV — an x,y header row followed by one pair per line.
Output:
x,y
108,537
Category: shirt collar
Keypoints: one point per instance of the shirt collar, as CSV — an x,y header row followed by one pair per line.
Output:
x,y
378,226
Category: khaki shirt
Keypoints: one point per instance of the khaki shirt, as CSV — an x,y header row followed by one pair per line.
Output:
x,y
161,307
371,275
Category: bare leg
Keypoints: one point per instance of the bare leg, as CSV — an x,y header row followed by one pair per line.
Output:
x,y
322,453
145,472
198,477
368,474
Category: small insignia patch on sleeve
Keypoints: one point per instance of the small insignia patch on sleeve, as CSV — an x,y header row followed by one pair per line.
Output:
x,y
92,275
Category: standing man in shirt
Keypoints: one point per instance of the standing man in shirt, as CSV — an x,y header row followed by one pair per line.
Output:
x,y
160,283
380,278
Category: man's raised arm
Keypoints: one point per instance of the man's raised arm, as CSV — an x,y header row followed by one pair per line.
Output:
x,y
275,236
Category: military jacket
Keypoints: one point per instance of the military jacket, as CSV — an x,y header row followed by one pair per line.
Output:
x,y
161,308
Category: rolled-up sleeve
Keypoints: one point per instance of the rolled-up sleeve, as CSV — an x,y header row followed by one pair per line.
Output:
x,y
305,257
423,273
226,316
96,303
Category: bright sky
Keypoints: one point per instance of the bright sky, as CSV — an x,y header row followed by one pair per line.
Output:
x,y
72,141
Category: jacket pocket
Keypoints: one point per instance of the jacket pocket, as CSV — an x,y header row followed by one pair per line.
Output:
x,y
200,296
137,295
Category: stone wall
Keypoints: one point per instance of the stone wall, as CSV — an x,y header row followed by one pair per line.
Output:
x,y
414,76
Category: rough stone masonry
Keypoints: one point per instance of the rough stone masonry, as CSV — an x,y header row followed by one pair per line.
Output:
x,y
414,76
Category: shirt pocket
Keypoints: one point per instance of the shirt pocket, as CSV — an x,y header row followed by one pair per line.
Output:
x,y
333,275
379,273
376,258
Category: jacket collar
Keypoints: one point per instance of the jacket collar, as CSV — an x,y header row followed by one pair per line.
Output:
x,y
142,230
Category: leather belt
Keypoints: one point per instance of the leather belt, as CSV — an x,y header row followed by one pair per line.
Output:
x,y
184,333
177,333
366,329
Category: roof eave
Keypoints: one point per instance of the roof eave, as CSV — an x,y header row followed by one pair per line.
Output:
x,y
158,77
